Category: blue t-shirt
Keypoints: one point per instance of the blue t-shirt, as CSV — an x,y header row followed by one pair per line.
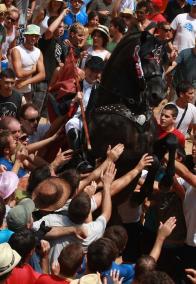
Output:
x,y
81,17
5,235
9,165
127,271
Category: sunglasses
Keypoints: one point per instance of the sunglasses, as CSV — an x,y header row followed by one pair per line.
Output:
x,y
13,21
33,119
23,138
140,12
167,30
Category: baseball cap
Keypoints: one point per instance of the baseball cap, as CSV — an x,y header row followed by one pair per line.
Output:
x,y
8,183
18,217
126,11
9,258
32,30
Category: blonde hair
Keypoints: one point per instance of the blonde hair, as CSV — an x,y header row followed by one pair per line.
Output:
x,y
76,28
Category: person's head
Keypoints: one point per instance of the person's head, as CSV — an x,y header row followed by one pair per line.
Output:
x,y
193,8
9,258
164,31
56,6
11,18
185,92
100,255
118,235
93,68
156,277
32,35
37,175
13,125
129,18
59,30
194,147
100,36
29,118
51,194
72,177
117,25
8,185
168,116
7,82
93,19
76,5
2,211
3,10
24,242
144,264
8,3
79,208
77,34
70,259
20,217
142,10
7,143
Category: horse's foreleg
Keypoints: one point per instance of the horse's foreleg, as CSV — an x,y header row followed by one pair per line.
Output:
x,y
147,188
167,180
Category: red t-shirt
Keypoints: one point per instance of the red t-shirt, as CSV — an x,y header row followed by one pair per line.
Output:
x,y
158,18
181,138
51,279
23,275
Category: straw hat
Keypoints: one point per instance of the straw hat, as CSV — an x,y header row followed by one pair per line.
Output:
x,y
51,194
102,29
9,258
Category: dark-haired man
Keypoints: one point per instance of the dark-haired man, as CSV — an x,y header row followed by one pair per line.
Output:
x,y
10,101
117,29
167,124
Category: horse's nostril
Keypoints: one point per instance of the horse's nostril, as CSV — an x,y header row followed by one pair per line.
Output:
x,y
154,96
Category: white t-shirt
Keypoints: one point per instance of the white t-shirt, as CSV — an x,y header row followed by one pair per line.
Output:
x,y
190,117
185,27
95,230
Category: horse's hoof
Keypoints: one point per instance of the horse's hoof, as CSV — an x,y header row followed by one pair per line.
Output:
x,y
84,167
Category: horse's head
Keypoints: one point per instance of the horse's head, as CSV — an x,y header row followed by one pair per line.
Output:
x,y
133,74
149,70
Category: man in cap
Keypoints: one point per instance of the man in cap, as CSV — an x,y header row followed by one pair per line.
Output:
x,y
93,68
20,216
9,258
27,62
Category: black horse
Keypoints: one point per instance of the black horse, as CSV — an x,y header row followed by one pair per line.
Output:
x,y
121,107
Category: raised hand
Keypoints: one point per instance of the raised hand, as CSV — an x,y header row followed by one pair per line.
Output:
x,y
145,161
191,274
165,229
114,153
109,175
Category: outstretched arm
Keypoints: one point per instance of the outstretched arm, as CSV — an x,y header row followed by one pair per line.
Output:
x,y
113,154
163,232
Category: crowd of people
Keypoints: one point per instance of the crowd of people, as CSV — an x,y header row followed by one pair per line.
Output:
x,y
57,221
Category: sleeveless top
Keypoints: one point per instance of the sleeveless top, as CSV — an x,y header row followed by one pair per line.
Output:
x,y
28,59
8,40
100,53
